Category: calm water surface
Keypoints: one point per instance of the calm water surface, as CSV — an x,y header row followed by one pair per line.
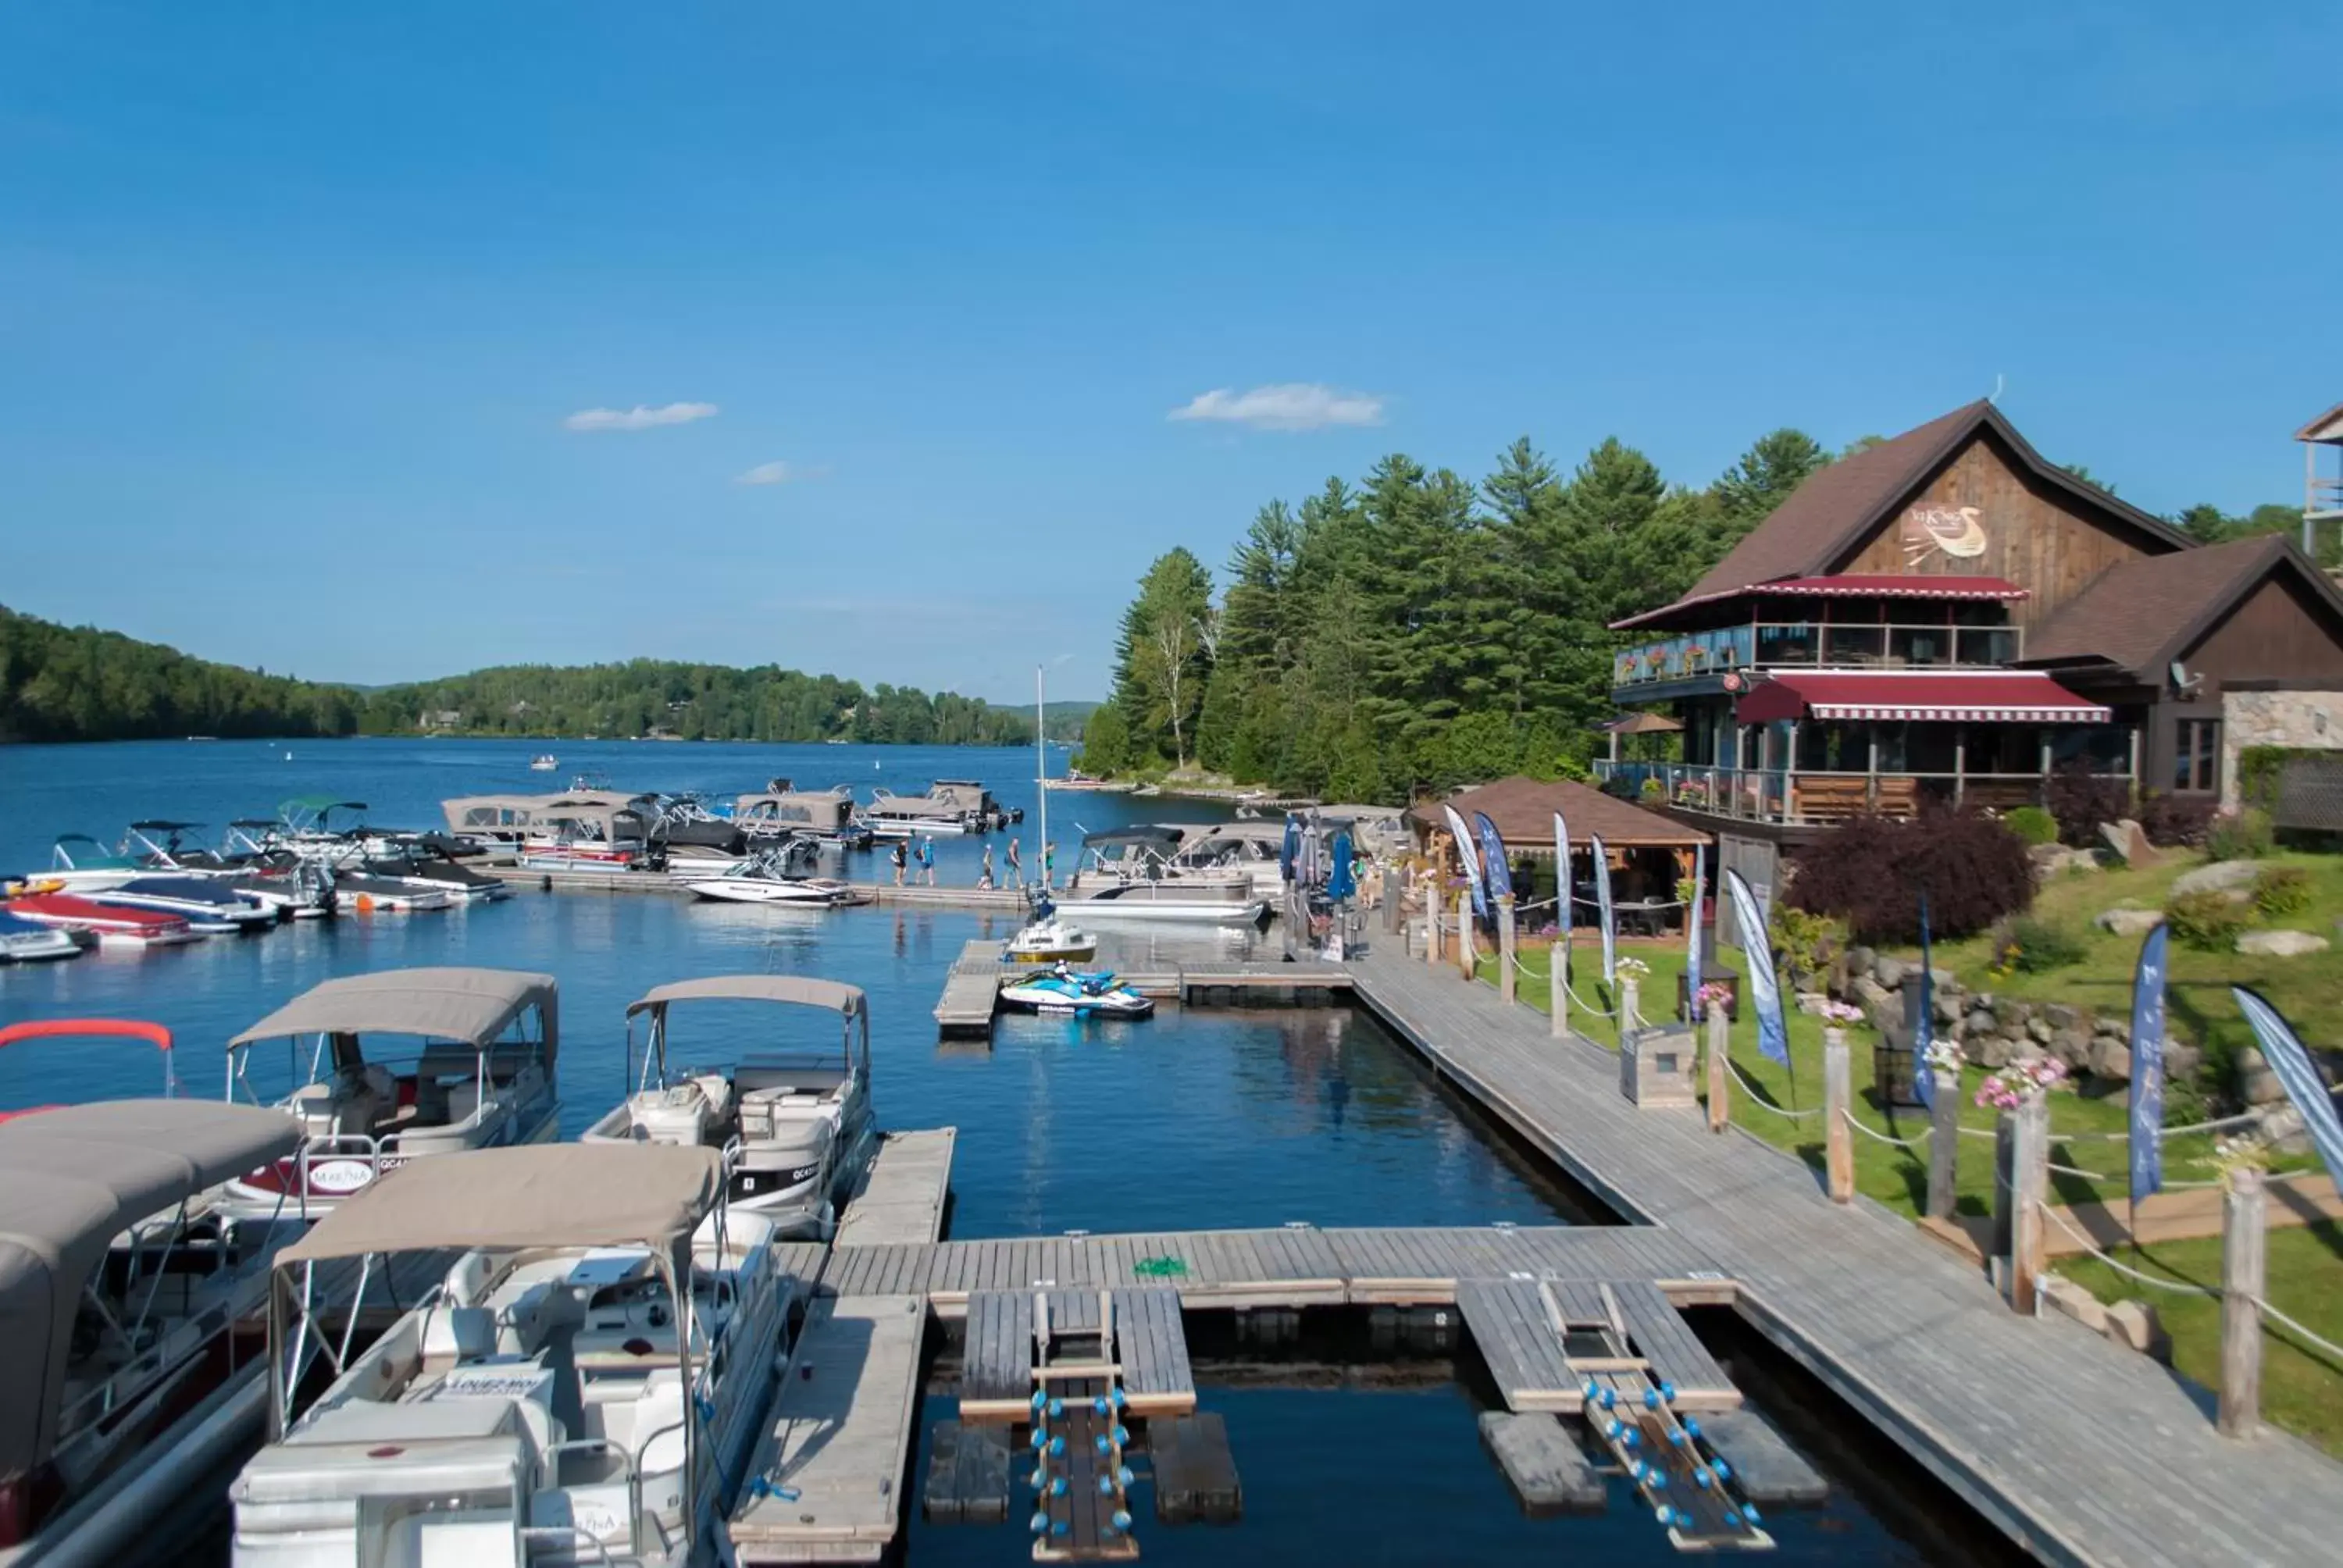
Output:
x,y
1198,1118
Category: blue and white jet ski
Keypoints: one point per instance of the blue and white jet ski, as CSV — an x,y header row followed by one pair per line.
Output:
x,y
1063,989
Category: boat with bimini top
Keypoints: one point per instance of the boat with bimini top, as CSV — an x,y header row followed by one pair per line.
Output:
x,y
797,1123
587,1384
468,1064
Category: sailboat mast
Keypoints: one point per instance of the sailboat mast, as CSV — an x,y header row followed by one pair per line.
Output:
x,y
1041,771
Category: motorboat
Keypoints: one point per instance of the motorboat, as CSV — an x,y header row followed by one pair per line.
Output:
x,y
79,863
770,877
893,816
470,1066
1048,938
419,863
798,1123
249,861
304,826
28,941
368,893
589,830
113,925
544,762
128,1376
205,904
1129,874
1064,989
827,816
971,797
586,1385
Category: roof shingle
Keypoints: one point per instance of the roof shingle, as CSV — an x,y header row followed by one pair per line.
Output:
x,y
1523,808
2137,615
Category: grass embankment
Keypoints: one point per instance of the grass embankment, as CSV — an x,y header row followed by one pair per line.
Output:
x,y
2302,1388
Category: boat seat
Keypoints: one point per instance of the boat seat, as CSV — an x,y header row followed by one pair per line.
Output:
x,y
455,1334
676,1115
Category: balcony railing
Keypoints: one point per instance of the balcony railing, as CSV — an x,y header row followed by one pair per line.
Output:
x,y
1800,796
1766,644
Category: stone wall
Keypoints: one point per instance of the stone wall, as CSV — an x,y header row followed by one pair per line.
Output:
x,y
2293,719
1994,1031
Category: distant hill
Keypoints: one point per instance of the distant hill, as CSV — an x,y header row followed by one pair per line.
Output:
x,y
1064,721
79,683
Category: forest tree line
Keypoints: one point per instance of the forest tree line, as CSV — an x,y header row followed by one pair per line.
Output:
x,y
79,683
1417,631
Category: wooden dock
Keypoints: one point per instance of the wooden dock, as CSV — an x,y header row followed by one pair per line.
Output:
x,y
996,1379
971,990
1520,1326
1295,1266
828,1476
903,1195
2082,1452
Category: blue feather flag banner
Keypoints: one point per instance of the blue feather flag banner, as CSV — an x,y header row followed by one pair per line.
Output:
x,y
1765,986
2147,1066
1924,1030
1470,858
2303,1085
1497,876
1692,933
1602,909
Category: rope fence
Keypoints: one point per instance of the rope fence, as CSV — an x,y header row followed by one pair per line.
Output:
x,y
2086,1243
1756,1099
2323,1343
1874,1132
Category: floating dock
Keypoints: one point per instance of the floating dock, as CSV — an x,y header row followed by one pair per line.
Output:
x,y
1003,1330
1524,1328
903,1196
827,1478
971,990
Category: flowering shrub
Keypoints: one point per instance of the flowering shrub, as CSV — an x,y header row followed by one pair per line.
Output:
x,y
2020,1082
2245,1150
1715,993
1943,1058
2207,920
1633,966
1839,1014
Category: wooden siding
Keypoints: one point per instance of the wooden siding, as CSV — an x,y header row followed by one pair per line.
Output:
x,y
2045,542
2276,632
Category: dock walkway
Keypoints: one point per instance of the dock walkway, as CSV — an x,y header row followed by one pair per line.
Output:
x,y
2082,1452
903,1198
971,990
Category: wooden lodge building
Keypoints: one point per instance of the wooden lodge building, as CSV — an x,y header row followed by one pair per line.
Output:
x,y
1949,616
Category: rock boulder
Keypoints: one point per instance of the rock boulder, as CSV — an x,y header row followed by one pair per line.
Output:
x,y
2281,944
2220,877
2127,922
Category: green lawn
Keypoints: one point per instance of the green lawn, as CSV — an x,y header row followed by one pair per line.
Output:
x,y
1896,1177
2302,1387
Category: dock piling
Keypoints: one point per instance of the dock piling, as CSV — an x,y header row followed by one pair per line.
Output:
x,y
1720,1102
1838,1138
1944,1146
2025,1135
1466,956
1557,981
2244,1210
1506,986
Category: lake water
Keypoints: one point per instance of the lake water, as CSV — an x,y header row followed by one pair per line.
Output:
x,y
1196,1118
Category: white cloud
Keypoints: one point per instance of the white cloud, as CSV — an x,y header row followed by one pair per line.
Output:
x,y
1286,405
778,474
642,416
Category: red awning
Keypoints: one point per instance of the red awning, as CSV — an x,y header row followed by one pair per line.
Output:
x,y
1905,586
2004,697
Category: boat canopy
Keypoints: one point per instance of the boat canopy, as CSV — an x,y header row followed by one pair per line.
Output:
x,y
73,1178
154,1035
159,826
475,1006
319,804
844,999
1144,836
533,1195
790,808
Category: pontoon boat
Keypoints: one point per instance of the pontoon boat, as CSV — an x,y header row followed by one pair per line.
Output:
x,y
476,1072
1129,874
798,1123
125,1374
586,1386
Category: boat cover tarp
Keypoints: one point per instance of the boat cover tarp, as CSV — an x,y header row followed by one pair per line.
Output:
x,y
473,1006
1144,836
73,1178
837,997
535,1195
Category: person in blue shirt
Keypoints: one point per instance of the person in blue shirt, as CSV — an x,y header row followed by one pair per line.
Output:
x,y
927,861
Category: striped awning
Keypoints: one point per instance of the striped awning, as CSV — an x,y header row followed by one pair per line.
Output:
x,y
2004,697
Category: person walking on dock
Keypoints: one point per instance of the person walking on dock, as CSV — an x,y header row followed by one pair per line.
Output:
x,y
895,855
984,877
1049,866
927,861
1016,871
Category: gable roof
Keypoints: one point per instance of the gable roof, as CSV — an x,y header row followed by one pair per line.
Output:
x,y
2139,615
2328,426
1522,809
1840,504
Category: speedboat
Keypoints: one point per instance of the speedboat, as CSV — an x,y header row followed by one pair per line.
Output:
x,y
370,894
1129,874
771,877
586,1385
1063,989
127,1362
477,1074
204,903
798,1123
544,762
114,925
1048,938
417,864
79,863
28,941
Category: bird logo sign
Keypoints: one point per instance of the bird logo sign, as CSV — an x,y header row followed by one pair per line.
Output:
x,y
1959,531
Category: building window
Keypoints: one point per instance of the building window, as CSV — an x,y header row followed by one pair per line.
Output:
x,y
2196,754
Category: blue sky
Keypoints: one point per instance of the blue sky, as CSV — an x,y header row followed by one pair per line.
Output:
x,y
298,302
